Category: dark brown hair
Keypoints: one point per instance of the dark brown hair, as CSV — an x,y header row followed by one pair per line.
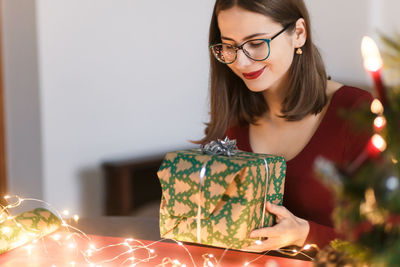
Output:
x,y
232,103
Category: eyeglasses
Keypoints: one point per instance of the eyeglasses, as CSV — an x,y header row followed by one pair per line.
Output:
x,y
255,49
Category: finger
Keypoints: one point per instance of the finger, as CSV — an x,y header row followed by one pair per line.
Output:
x,y
266,232
279,211
269,244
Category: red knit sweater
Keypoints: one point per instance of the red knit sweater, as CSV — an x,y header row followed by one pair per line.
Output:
x,y
335,139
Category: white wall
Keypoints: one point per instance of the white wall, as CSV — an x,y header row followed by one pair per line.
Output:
x,y
118,78
22,103
338,31
90,80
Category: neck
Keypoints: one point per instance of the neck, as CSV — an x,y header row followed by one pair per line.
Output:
x,y
274,98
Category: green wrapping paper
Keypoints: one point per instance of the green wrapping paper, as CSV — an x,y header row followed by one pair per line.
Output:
x,y
27,227
227,205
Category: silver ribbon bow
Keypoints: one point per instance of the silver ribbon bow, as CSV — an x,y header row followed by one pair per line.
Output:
x,y
224,147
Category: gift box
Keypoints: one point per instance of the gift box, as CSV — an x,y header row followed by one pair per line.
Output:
x,y
218,200
26,227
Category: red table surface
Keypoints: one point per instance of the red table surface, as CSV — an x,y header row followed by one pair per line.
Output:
x,y
48,252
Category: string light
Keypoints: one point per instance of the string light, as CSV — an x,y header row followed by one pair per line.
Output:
x,y
377,107
6,230
56,237
258,242
65,212
379,123
131,245
370,52
29,249
379,142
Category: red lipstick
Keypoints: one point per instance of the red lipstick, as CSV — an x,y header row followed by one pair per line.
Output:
x,y
253,75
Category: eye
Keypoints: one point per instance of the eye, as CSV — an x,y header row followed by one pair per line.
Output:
x,y
256,43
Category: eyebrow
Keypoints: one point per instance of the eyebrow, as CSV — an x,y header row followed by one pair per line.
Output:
x,y
246,38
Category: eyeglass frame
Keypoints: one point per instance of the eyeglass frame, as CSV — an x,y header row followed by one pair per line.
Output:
x,y
240,47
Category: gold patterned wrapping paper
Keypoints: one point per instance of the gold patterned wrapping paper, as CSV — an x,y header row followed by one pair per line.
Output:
x,y
231,196
27,227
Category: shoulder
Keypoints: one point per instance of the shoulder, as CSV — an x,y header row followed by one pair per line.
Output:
x,y
241,135
236,132
351,97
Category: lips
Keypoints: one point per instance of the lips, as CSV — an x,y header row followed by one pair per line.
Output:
x,y
253,75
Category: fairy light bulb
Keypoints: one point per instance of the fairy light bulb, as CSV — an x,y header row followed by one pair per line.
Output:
x,y
378,142
379,123
29,249
258,242
370,52
76,218
56,237
306,247
6,230
89,253
392,183
65,212
376,107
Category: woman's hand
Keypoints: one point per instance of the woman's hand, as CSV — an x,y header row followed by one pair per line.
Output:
x,y
289,230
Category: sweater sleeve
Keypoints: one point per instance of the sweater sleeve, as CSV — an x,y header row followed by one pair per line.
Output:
x,y
320,235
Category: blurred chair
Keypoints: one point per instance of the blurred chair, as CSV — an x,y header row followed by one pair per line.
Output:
x,y
131,184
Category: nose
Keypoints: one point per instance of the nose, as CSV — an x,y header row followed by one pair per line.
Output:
x,y
242,61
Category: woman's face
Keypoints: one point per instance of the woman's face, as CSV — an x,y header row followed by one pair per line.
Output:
x,y
238,25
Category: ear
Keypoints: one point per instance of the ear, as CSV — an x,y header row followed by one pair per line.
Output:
x,y
300,34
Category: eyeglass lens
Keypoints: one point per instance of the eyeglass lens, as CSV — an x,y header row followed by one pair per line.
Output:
x,y
255,49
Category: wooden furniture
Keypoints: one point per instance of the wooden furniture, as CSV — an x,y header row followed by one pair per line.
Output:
x,y
131,183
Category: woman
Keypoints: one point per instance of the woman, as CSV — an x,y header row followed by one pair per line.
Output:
x,y
270,92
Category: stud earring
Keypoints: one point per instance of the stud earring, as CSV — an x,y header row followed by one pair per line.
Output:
x,y
299,51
